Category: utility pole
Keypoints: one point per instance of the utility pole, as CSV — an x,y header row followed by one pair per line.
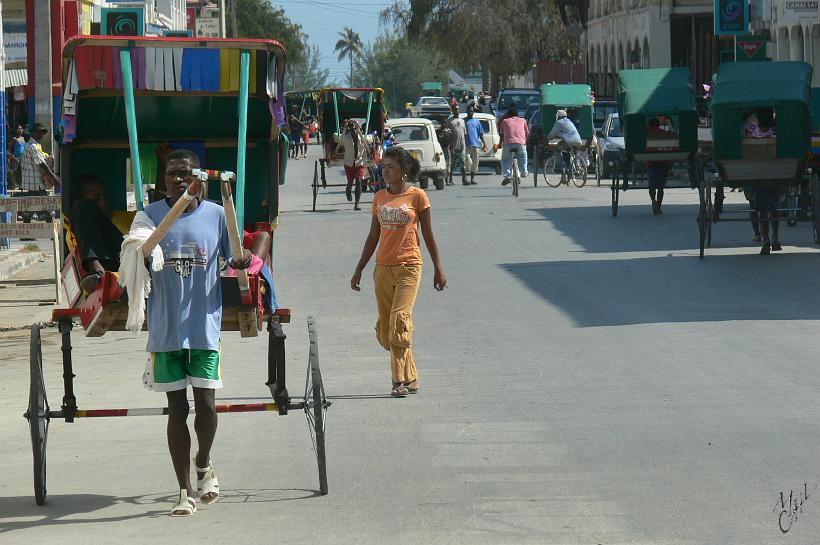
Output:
x,y
43,101
222,18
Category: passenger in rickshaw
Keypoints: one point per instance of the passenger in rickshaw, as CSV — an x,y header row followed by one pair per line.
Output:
x,y
355,148
184,317
657,171
98,239
766,199
564,129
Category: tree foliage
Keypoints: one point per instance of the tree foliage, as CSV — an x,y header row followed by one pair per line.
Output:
x,y
259,19
350,46
398,67
308,74
501,39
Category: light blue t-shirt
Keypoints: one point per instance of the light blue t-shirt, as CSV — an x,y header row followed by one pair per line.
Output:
x,y
474,132
185,305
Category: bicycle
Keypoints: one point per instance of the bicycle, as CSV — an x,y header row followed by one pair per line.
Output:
x,y
554,164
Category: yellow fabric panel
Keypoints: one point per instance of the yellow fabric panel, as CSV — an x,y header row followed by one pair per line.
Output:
x,y
123,219
229,64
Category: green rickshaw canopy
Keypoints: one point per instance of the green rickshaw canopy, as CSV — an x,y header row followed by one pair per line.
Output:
x,y
815,109
338,104
740,88
431,88
569,97
657,92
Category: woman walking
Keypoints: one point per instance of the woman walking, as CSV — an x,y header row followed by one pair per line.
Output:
x,y
397,213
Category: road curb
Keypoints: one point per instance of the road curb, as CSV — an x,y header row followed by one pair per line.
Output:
x,y
17,262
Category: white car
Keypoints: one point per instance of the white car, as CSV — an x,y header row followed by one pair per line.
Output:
x,y
492,140
418,136
431,108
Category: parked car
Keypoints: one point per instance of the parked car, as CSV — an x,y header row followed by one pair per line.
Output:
x,y
611,146
600,110
418,136
523,99
491,157
431,108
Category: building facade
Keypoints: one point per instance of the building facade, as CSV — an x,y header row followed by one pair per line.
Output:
x,y
623,34
793,28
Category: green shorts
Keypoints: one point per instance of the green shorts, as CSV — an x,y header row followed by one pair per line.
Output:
x,y
171,371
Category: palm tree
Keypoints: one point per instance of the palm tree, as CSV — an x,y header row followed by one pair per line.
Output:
x,y
349,45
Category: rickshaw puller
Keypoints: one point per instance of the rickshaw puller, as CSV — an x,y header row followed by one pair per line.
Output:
x,y
184,320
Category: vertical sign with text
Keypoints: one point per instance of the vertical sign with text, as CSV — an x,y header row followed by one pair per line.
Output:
x,y
731,17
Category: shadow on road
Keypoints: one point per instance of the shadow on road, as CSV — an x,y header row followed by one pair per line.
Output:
x,y
70,509
677,289
636,229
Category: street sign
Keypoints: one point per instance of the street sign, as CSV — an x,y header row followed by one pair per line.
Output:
x,y
750,48
27,230
731,17
207,27
29,204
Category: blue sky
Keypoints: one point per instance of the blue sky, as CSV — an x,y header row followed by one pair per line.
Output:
x,y
323,20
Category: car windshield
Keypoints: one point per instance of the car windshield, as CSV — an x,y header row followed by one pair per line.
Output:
x,y
521,100
434,101
601,110
411,133
615,128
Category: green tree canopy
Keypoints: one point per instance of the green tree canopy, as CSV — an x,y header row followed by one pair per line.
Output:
x,y
517,34
259,19
308,74
398,67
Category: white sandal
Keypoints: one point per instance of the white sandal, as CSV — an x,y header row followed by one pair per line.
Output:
x,y
185,507
208,484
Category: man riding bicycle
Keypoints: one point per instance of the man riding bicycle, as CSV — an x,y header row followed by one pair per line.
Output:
x,y
565,129
514,133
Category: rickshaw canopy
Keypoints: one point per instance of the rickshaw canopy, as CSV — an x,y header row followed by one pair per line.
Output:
x,y
657,92
815,109
183,92
338,104
740,88
304,100
432,88
572,96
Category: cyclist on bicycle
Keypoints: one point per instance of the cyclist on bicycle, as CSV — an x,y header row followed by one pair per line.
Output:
x,y
565,129
514,133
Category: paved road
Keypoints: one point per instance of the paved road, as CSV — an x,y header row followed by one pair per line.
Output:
x,y
584,380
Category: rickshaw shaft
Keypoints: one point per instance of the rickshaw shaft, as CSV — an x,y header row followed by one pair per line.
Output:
x,y
69,401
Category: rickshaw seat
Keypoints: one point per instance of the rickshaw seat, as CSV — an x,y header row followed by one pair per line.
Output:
x,y
761,170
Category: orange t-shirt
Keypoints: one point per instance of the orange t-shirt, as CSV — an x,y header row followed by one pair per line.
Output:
x,y
399,220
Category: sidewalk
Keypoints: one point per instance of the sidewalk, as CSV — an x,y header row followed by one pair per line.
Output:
x,y
27,294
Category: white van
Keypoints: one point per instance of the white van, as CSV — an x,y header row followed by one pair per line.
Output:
x,y
492,140
418,136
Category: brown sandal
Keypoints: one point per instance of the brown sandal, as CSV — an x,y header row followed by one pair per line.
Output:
x,y
412,386
399,390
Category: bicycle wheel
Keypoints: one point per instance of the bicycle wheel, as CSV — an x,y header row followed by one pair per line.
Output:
x,y
38,416
579,171
516,180
550,165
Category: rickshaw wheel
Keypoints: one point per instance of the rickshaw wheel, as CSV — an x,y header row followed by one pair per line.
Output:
x,y
38,416
704,223
315,183
793,204
815,203
616,181
316,404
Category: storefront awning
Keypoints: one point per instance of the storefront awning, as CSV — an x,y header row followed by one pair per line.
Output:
x,y
16,77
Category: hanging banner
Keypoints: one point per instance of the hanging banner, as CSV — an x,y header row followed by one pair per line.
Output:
x,y
731,17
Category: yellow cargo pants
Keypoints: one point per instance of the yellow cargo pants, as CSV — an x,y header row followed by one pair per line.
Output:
x,y
396,289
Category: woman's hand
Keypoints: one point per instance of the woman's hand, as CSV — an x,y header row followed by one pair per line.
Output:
x,y
439,280
355,280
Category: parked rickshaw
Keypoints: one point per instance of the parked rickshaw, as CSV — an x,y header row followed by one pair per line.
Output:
x,y
337,105
221,99
576,100
777,161
306,101
431,88
665,97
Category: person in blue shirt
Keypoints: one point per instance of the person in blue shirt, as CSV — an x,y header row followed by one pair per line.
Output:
x,y
184,321
474,141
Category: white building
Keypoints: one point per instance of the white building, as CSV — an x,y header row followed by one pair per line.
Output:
x,y
794,30
650,34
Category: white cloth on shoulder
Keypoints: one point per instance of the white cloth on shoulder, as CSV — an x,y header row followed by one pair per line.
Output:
x,y
134,276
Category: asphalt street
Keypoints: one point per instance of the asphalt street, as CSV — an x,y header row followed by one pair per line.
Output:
x,y
584,380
